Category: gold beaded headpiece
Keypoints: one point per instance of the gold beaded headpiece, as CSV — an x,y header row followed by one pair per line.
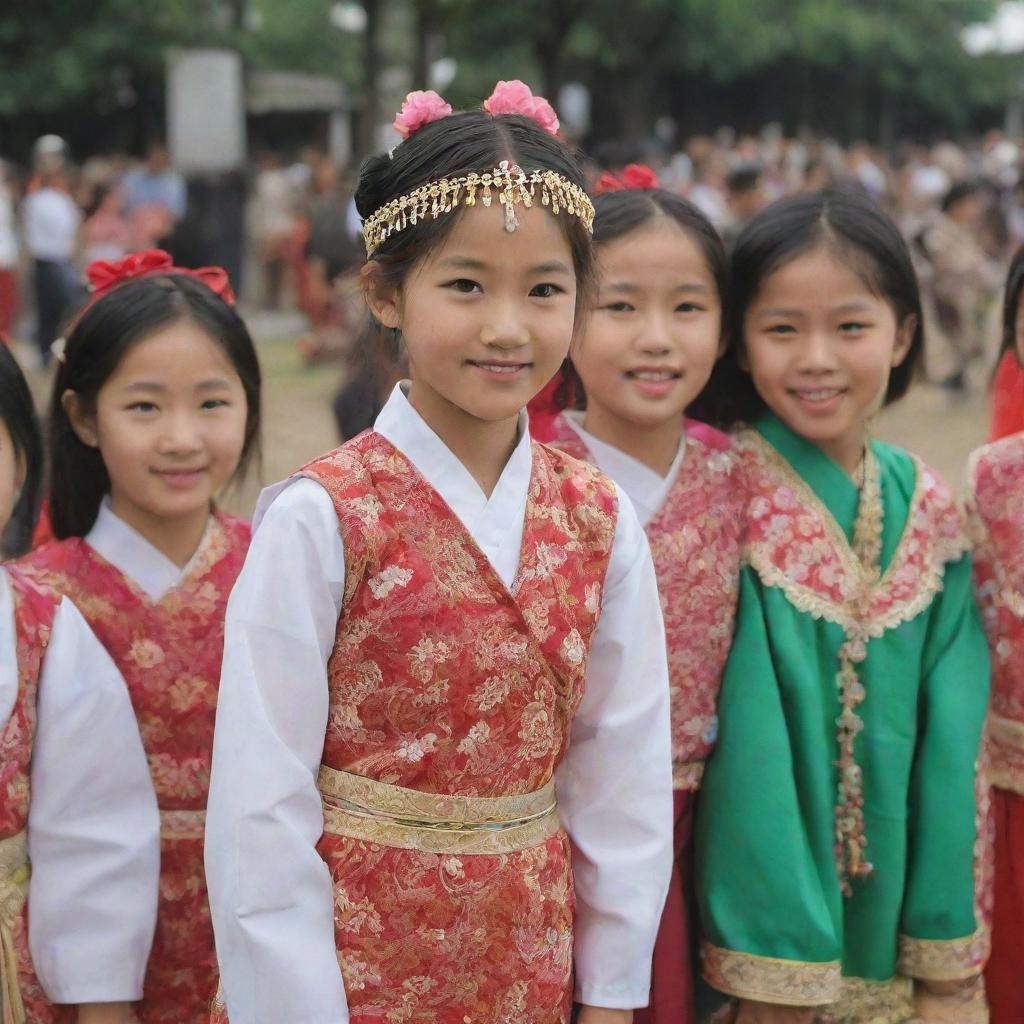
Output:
x,y
509,182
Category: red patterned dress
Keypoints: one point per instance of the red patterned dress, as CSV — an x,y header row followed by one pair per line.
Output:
x,y
997,520
33,619
169,652
695,539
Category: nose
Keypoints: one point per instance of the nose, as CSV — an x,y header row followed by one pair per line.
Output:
x,y
817,353
505,325
655,337
181,434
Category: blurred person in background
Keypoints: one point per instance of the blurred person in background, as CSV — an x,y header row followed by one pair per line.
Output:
x,y
8,252
51,220
155,198
744,196
271,225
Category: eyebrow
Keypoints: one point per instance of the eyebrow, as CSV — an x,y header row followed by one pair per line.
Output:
x,y
467,263
213,384
854,306
629,288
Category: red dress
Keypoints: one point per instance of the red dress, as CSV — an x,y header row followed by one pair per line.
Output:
x,y
695,540
1007,398
33,620
169,652
997,520
444,681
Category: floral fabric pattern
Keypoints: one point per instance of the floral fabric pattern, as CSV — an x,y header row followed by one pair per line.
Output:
x,y
695,540
34,610
169,652
444,680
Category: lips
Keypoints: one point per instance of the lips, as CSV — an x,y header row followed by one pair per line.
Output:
x,y
654,374
498,368
818,395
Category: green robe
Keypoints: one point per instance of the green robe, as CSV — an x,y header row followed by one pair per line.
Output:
x,y
776,925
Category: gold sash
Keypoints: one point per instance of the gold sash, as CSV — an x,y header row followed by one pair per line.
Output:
x,y
182,824
14,875
378,812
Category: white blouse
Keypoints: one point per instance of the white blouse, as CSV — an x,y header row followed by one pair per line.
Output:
x,y
270,891
644,487
93,824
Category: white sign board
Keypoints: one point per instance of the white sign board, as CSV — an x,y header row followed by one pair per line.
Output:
x,y
205,111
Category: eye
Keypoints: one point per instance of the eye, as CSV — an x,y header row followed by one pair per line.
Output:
x,y
547,290
142,407
853,327
689,307
619,307
464,286
780,329
214,403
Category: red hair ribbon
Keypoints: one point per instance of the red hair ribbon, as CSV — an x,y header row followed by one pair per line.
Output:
x,y
105,275
632,178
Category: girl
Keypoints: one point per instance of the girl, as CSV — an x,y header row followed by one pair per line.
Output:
x,y
648,350
836,831
155,408
996,481
436,622
90,829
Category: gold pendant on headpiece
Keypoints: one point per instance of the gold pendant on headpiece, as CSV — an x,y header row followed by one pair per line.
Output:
x,y
512,184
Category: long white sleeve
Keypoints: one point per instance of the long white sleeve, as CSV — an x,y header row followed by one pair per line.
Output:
x,y
615,783
93,827
270,892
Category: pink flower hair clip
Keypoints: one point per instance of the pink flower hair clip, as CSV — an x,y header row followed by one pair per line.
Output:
x,y
420,109
515,97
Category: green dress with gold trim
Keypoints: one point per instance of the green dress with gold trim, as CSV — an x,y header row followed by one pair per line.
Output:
x,y
837,844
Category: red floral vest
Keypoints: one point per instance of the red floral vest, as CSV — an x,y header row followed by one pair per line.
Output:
x,y
996,509
442,679
695,540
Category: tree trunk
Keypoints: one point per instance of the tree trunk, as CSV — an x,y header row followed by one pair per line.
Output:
x,y
370,113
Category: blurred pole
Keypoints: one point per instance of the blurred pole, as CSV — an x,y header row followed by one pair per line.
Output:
x,y
370,113
426,35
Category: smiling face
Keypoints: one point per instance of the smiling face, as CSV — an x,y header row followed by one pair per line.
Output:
x,y
654,335
820,345
169,423
486,318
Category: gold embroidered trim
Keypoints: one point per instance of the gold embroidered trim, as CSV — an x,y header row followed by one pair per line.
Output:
x,y
944,960
770,980
872,1002
808,600
182,824
14,876
1004,745
378,812
687,774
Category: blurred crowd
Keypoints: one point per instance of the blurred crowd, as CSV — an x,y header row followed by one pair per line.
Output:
x,y
961,206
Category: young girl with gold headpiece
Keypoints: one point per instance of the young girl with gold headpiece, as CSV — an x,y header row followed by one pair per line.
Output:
x,y
155,407
79,846
651,341
838,859
437,623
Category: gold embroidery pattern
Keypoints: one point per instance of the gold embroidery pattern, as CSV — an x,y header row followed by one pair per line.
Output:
x,y
182,824
14,875
1005,744
770,980
943,960
872,1002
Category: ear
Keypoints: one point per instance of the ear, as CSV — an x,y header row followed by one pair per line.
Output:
x,y
383,299
82,419
904,339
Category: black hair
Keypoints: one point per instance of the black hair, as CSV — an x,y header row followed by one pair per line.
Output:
x,y
463,143
94,349
851,225
1011,300
19,416
743,179
960,191
616,214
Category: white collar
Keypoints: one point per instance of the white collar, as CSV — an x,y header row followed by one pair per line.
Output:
x,y
645,488
403,426
127,550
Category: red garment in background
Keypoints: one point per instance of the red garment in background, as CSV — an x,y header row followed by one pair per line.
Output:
x,y
8,302
1007,399
1003,974
546,406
